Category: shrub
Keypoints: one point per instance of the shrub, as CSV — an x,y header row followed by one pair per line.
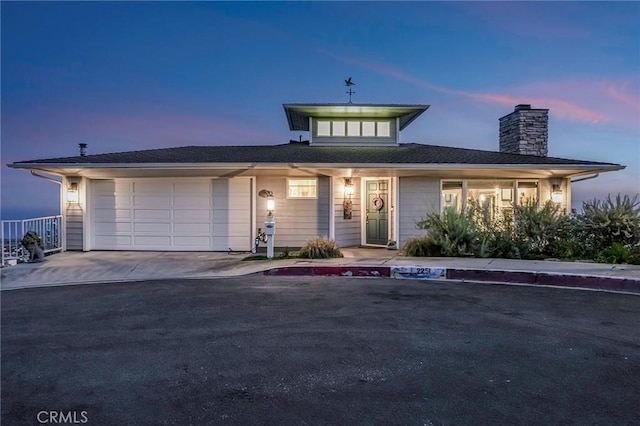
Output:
x,y
417,247
538,232
611,221
449,234
617,253
320,248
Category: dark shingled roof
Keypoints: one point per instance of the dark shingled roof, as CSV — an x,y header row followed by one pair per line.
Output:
x,y
410,153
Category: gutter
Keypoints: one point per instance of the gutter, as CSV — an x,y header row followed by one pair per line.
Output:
x,y
46,178
586,178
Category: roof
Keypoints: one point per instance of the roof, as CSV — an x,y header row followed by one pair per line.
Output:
x,y
298,114
301,152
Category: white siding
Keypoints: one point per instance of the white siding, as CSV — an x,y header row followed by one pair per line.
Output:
x,y
417,197
348,231
73,227
232,214
297,220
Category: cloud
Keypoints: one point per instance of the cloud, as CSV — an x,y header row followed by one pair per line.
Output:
x,y
585,101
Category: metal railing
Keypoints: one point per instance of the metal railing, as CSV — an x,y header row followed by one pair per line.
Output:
x,y
48,228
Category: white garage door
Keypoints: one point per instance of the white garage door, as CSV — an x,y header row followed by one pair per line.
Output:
x,y
170,214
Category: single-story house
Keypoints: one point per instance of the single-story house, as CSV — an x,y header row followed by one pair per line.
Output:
x,y
352,181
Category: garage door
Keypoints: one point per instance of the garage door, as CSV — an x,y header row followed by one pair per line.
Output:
x,y
166,214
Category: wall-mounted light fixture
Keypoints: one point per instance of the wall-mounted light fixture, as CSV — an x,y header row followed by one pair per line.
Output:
x,y
349,188
347,204
271,205
556,193
72,193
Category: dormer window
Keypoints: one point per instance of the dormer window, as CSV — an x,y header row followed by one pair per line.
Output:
x,y
352,124
353,129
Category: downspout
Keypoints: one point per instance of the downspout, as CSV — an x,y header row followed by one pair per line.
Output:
x,y
63,232
586,178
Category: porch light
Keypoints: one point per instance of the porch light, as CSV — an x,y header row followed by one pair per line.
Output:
x,y
271,205
349,188
72,193
556,193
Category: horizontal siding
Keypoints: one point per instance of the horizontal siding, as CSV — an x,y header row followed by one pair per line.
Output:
x,y
297,220
74,228
417,196
232,214
348,231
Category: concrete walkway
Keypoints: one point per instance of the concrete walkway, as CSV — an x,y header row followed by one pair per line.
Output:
x,y
107,266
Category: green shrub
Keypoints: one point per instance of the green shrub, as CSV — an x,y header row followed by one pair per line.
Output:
x,y
611,221
320,248
617,253
450,233
538,232
417,247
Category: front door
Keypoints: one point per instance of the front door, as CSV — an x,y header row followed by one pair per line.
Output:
x,y
377,212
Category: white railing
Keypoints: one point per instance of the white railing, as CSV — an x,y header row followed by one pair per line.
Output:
x,y
49,229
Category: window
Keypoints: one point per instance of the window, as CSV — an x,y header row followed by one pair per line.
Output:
x,y
302,188
353,128
338,128
494,196
324,128
368,128
342,128
527,193
452,195
384,129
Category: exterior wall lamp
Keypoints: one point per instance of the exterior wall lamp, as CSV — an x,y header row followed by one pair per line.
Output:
x,y
349,188
72,193
556,193
347,204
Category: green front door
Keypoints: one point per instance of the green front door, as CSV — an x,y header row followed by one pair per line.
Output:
x,y
377,212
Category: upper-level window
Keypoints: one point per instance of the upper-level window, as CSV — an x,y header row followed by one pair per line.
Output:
x,y
302,188
342,128
353,128
324,128
338,128
368,128
384,129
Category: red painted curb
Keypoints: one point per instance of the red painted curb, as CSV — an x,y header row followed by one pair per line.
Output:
x,y
517,277
542,278
324,271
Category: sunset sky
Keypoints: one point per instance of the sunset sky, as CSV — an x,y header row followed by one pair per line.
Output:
x,y
140,75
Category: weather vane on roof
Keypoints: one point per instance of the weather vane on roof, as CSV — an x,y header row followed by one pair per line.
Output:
x,y
349,83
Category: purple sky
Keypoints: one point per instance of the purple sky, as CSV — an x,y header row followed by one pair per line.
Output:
x,y
127,76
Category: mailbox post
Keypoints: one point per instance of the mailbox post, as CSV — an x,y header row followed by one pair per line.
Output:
x,y
270,225
270,230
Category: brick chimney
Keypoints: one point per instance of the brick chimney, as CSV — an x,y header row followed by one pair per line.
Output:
x,y
525,131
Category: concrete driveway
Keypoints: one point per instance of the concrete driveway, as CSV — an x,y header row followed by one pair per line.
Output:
x,y
309,350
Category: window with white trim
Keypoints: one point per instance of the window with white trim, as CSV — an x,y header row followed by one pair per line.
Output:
x,y
384,129
353,129
493,195
324,128
302,188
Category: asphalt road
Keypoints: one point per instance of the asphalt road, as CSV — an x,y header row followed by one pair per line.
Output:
x,y
344,351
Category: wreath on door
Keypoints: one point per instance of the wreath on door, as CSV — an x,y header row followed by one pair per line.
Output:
x,y
377,203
